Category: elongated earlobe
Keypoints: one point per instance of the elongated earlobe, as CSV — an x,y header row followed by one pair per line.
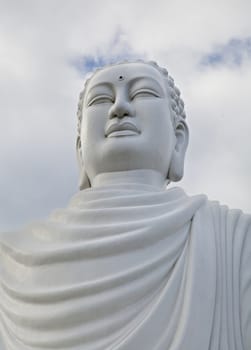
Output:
x,y
83,178
176,168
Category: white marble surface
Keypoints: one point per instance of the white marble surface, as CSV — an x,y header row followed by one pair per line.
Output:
x,y
129,264
129,267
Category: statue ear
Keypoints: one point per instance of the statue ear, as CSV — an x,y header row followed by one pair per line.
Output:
x,y
83,178
176,168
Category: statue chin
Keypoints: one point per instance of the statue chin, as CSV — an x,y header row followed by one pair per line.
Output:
x,y
174,173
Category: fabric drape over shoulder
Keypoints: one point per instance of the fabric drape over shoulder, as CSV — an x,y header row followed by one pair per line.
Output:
x,y
131,268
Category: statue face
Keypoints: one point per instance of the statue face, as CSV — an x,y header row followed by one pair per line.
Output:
x,y
126,121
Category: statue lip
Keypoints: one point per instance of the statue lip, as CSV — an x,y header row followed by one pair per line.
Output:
x,y
122,129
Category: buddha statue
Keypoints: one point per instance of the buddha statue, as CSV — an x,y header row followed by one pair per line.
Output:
x,y
130,263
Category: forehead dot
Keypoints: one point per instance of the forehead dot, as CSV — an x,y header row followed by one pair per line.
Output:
x,y
121,77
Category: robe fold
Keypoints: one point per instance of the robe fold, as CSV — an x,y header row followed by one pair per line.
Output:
x,y
129,268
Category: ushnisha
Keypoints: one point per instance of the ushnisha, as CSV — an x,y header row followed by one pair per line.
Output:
x,y
129,264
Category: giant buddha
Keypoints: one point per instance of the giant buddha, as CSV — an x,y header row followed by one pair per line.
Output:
x,y
130,264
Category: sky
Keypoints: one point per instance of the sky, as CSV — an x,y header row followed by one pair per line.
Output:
x,y
47,48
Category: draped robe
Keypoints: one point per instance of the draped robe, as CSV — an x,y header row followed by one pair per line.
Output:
x,y
129,268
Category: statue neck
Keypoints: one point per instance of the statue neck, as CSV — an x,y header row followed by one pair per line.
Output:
x,y
137,177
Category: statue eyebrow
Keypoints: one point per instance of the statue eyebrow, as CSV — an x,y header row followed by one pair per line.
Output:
x,y
104,84
131,82
146,79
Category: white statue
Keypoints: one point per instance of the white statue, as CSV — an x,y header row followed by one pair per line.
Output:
x,y
129,265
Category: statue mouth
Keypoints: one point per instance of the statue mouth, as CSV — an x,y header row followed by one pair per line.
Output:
x,y
122,129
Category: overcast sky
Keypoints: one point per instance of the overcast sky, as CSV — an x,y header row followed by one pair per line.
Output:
x,y
48,46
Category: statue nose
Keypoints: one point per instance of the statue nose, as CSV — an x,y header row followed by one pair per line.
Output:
x,y
121,109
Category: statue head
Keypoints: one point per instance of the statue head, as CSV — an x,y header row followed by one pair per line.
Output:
x,y
131,116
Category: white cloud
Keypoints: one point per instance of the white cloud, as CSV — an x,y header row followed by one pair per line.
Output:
x,y
39,90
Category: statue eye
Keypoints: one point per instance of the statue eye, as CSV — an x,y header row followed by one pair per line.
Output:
x,y
100,99
144,93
